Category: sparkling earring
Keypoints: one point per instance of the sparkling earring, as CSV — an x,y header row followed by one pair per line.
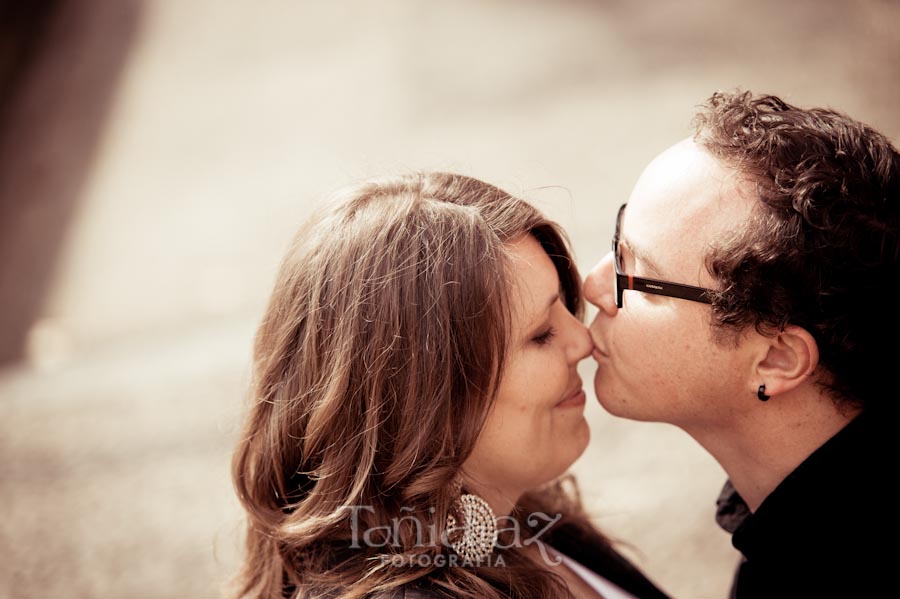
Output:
x,y
472,531
761,393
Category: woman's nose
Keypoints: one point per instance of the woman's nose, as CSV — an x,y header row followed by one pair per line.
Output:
x,y
580,344
600,287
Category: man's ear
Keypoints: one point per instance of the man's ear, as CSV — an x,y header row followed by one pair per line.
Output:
x,y
787,360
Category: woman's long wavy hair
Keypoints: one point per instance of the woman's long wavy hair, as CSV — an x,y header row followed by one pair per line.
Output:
x,y
375,366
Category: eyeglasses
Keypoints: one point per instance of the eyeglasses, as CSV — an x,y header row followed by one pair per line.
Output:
x,y
655,286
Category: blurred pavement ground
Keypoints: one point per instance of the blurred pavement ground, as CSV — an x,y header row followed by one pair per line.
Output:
x,y
159,156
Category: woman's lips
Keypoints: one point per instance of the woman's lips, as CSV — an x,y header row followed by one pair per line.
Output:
x,y
573,400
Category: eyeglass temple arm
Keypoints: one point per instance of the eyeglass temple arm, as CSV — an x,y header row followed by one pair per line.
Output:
x,y
688,292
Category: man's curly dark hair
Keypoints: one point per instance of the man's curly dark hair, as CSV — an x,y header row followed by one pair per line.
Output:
x,y
821,247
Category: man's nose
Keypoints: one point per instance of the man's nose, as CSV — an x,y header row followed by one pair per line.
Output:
x,y
600,285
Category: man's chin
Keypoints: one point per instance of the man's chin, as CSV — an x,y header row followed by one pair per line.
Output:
x,y
615,405
605,397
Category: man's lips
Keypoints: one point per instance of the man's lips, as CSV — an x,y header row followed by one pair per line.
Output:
x,y
598,353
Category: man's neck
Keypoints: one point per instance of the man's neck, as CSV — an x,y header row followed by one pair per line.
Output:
x,y
761,447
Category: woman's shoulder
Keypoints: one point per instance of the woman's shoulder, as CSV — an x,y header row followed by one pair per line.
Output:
x,y
595,552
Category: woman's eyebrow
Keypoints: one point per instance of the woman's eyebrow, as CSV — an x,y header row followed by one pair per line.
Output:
x,y
539,320
559,294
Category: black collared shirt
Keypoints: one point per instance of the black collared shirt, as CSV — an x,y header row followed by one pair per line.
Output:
x,y
828,529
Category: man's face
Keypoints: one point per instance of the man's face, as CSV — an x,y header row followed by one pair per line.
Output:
x,y
657,358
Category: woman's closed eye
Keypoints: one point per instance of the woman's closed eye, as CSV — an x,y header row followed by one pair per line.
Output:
x,y
545,336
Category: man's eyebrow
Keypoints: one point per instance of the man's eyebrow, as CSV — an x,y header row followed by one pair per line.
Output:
x,y
641,255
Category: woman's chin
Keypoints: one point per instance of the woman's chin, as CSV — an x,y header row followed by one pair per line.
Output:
x,y
577,442
584,435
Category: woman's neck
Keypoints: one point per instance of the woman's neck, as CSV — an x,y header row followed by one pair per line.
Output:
x,y
502,501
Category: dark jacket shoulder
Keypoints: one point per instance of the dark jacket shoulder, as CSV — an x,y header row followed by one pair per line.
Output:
x,y
599,555
585,546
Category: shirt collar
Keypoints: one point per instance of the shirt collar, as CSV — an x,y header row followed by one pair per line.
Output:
x,y
828,480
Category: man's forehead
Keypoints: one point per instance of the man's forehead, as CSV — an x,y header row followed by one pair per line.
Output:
x,y
686,177
684,200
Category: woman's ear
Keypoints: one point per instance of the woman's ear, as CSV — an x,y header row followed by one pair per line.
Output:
x,y
788,360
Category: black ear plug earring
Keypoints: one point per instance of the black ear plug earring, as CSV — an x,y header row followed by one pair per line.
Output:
x,y
761,393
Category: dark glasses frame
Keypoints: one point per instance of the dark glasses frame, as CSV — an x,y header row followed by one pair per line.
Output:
x,y
654,286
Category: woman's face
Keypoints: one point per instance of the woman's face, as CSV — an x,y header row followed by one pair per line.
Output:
x,y
536,427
